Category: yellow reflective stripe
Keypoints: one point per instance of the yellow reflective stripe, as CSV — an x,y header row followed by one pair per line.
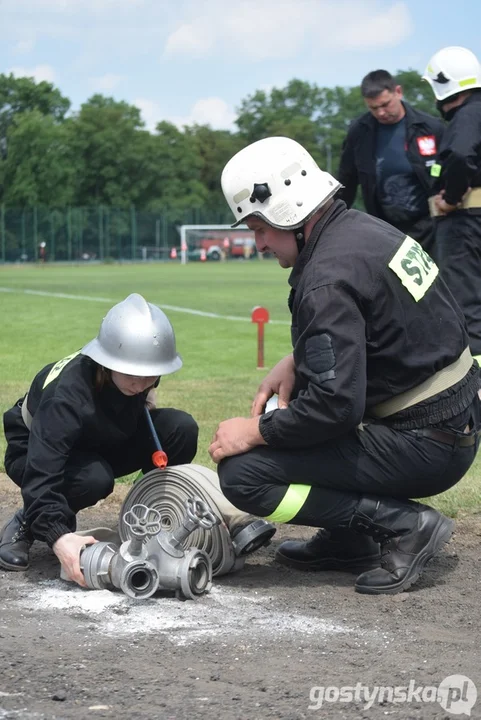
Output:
x,y
290,504
58,367
435,170
467,81
478,358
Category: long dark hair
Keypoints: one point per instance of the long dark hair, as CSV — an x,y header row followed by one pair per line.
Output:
x,y
102,376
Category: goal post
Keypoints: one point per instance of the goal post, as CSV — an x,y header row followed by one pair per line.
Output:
x,y
216,242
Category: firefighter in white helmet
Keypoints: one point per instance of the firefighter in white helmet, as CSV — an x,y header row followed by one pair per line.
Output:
x,y
82,424
373,408
454,74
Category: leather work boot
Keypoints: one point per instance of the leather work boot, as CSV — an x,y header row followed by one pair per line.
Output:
x,y
410,534
337,549
15,542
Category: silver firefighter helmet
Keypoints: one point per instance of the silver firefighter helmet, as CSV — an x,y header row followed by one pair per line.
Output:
x,y
135,338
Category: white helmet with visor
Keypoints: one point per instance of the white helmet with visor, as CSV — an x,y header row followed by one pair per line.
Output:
x,y
277,180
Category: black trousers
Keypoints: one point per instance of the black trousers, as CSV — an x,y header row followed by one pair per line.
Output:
x,y
457,251
90,475
376,461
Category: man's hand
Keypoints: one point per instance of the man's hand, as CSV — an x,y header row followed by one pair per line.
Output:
x,y
441,204
280,380
235,436
67,548
444,207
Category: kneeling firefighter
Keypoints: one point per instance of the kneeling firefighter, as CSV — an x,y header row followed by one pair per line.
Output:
x,y
83,424
378,401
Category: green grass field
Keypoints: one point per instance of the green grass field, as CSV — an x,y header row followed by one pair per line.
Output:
x,y
220,374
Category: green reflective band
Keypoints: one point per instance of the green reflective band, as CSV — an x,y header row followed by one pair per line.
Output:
x,y
468,81
478,358
291,503
435,170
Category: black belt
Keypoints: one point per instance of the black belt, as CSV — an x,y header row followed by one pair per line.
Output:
x,y
448,438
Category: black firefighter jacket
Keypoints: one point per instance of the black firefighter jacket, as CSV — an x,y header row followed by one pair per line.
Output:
x,y
69,414
358,159
371,319
459,158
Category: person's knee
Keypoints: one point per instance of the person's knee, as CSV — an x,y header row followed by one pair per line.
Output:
x,y
181,444
189,436
234,484
104,481
88,484
15,468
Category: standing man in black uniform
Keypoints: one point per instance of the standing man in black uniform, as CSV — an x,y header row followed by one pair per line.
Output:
x,y
389,152
378,400
454,74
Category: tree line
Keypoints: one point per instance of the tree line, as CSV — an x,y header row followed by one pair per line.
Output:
x,y
103,154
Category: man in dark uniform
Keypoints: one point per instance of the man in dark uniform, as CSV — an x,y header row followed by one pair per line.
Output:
x,y
454,73
389,152
378,401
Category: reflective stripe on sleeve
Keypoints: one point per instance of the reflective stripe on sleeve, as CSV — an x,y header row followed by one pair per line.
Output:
x,y
58,367
290,504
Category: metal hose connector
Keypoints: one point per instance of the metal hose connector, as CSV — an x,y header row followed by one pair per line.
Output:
x,y
152,558
105,566
168,490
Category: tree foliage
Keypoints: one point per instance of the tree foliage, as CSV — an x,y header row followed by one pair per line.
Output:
x,y
103,155
19,95
39,166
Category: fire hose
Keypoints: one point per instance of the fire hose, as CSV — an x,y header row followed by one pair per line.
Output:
x,y
227,543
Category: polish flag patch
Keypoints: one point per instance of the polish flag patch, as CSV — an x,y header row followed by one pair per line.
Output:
x,y
427,145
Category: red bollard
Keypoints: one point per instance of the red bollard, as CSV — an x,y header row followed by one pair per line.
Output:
x,y
260,316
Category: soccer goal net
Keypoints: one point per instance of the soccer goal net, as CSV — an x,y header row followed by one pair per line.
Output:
x,y
215,242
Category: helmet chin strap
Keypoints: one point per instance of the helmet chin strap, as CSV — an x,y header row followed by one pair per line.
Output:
x,y
300,239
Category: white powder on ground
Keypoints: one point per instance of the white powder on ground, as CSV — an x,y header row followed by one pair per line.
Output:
x,y
220,613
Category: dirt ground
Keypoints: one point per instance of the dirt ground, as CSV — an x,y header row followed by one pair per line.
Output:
x,y
267,642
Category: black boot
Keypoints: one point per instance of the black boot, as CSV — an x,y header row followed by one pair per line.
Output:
x,y
410,534
15,542
337,549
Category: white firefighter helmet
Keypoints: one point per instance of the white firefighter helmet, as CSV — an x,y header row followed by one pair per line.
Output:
x,y
452,70
277,180
135,338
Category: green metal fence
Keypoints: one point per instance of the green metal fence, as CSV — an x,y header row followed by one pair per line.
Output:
x,y
78,234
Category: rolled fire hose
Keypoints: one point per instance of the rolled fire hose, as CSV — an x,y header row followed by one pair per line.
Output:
x,y
167,491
